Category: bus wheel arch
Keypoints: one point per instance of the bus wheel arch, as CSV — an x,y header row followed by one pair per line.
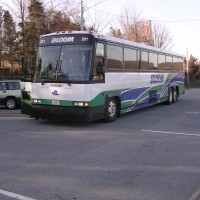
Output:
x,y
112,108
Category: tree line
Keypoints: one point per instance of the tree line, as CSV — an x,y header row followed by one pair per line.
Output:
x,y
193,74
21,30
19,37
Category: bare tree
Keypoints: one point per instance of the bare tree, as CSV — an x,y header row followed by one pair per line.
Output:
x,y
127,21
161,37
96,20
70,8
115,32
18,8
96,23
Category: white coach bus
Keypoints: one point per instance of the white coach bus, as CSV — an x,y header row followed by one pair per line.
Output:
x,y
89,76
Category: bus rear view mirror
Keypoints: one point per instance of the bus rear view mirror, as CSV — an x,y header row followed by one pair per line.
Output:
x,y
28,68
100,69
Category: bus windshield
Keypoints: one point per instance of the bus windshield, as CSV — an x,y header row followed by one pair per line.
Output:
x,y
64,63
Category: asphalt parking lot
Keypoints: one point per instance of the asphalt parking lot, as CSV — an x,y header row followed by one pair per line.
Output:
x,y
152,154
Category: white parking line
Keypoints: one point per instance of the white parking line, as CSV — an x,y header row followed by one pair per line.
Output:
x,y
13,195
173,133
193,112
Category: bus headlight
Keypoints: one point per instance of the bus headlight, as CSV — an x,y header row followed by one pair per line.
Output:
x,y
36,101
81,104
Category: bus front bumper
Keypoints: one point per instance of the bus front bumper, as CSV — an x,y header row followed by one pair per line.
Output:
x,y
63,113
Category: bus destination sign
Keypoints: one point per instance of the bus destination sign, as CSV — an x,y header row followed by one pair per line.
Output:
x,y
66,39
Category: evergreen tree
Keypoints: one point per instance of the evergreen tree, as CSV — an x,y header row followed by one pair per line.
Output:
x,y
35,26
59,21
193,64
9,40
9,37
21,14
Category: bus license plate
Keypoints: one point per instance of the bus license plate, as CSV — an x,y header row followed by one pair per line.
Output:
x,y
55,102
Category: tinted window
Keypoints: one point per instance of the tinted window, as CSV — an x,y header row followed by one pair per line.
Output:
x,y
13,85
161,62
180,64
114,57
177,64
130,59
3,86
76,62
169,64
47,61
98,61
100,50
153,61
143,63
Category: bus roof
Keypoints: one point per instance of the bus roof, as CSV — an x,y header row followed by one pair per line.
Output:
x,y
113,39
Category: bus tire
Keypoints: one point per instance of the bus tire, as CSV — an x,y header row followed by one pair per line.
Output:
x,y
170,96
111,111
175,95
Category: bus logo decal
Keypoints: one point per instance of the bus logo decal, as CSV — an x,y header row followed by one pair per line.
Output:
x,y
62,39
55,93
157,78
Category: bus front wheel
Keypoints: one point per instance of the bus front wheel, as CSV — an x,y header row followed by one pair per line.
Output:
x,y
111,110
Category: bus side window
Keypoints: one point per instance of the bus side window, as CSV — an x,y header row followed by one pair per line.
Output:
x,y
114,59
143,60
168,64
98,65
161,62
153,61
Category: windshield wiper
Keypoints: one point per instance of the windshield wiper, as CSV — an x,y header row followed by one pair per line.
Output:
x,y
66,77
61,74
56,70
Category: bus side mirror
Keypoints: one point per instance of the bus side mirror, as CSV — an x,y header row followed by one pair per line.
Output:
x,y
28,67
100,69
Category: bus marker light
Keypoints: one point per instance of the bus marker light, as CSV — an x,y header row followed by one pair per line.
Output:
x,y
36,101
81,104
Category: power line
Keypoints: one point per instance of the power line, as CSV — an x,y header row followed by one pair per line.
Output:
x,y
94,5
83,10
155,20
178,21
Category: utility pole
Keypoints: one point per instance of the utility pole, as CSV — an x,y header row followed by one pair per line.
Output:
x,y
187,66
82,11
82,15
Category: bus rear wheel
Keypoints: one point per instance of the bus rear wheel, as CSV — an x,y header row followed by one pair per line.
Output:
x,y
111,110
170,96
175,95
